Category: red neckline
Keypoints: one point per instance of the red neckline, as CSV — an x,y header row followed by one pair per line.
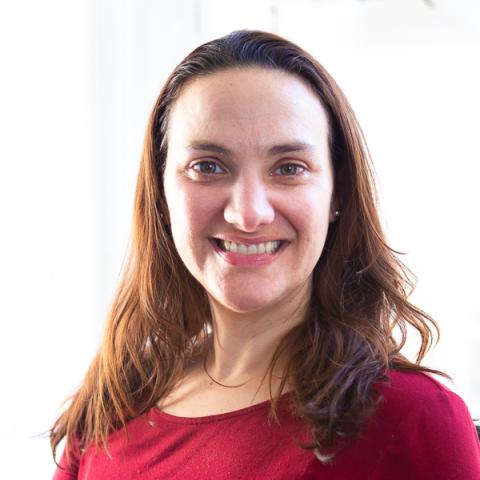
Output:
x,y
216,417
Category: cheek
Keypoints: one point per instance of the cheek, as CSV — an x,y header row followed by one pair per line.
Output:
x,y
192,213
311,211
311,219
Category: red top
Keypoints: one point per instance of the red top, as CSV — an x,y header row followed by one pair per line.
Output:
x,y
421,430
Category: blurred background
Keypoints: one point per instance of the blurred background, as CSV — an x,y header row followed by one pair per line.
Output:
x,y
77,82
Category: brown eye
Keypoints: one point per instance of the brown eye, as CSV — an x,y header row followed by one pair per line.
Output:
x,y
207,167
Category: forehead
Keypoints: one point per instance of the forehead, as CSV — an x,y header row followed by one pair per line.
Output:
x,y
248,104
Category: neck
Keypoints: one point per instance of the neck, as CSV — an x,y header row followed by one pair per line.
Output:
x,y
243,344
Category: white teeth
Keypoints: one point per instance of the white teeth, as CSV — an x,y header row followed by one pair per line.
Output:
x,y
259,248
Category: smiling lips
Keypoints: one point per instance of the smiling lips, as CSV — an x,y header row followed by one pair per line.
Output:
x,y
249,254
250,249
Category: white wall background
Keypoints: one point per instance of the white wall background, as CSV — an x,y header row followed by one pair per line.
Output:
x,y
77,82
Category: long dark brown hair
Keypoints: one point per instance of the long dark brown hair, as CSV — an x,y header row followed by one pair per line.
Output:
x,y
359,312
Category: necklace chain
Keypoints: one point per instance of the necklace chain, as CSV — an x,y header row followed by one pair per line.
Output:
x,y
215,381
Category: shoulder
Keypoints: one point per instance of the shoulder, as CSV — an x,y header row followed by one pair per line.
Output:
x,y
409,395
404,389
430,429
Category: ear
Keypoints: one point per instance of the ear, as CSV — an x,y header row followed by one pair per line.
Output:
x,y
334,214
334,210
164,212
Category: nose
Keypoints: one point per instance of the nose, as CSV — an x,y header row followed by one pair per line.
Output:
x,y
248,206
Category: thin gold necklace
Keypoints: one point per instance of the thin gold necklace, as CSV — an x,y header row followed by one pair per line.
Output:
x,y
215,381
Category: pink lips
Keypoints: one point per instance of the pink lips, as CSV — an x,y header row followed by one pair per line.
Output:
x,y
256,260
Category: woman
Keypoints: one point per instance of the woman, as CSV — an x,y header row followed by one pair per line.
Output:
x,y
257,329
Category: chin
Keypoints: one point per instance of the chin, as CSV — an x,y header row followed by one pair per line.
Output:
x,y
245,303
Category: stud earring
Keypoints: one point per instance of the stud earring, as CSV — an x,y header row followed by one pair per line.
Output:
x,y
336,213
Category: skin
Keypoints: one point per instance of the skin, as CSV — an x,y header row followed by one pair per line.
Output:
x,y
248,160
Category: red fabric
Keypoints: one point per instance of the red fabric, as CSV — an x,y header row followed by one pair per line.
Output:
x,y
422,430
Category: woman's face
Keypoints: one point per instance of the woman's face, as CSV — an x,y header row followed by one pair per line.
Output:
x,y
249,185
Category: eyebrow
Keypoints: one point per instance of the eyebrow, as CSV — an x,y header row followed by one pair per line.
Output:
x,y
290,147
208,147
275,150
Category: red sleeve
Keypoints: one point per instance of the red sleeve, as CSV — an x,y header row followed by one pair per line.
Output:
x,y
436,440
68,469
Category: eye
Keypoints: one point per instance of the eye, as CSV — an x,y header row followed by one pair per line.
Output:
x,y
208,167
289,169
